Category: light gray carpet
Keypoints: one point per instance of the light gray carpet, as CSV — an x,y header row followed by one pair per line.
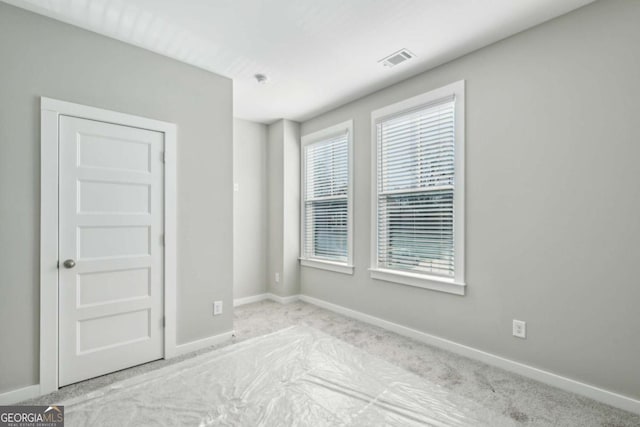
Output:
x,y
525,401
297,376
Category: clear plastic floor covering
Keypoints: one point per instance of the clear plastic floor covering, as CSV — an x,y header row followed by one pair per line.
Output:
x,y
295,377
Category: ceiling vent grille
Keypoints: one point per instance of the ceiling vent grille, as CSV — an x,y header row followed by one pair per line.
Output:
x,y
397,58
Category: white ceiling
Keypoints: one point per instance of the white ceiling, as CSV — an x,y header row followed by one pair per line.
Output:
x,y
317,54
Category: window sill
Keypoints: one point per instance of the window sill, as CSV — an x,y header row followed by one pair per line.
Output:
x,y
434,283
337,267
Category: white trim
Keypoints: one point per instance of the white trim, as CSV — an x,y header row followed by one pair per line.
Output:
x,y
108,116
317,137
458,90
283,300
203,343
48,251
337,267
18,395
51,109
435,283
170,239
249,300
268,296
592,392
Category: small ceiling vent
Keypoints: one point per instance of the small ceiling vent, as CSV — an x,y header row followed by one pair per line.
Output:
x,y
397,58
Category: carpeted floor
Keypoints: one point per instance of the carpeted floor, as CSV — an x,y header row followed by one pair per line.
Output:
x,y
295,376
525,401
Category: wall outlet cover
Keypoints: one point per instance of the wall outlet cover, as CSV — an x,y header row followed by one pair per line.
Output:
x,y
519,328
217,308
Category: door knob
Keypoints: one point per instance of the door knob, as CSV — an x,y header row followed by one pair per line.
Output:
x,y
69,263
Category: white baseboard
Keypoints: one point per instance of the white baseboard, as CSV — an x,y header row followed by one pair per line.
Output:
x,y
596,393
248,300
203,343
261,297
283,300
15,396
33,391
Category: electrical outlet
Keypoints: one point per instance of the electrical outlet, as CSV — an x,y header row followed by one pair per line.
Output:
x,y
519,328
277,277
217,308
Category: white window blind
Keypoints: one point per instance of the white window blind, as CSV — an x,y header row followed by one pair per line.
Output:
x,y
415,189
325,214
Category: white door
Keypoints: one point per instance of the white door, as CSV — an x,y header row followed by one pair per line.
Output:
x,y
111,248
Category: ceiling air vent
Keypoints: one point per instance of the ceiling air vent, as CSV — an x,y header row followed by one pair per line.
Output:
x,y
397,58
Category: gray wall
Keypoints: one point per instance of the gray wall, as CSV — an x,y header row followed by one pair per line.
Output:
x,y
284,207
291,210
275,168
552,197
43,57
249,208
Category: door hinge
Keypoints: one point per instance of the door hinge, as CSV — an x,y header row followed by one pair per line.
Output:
x,y
164,157
162,239
164,321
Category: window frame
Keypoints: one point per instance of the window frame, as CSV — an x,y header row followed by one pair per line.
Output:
x,y
307,140
455,285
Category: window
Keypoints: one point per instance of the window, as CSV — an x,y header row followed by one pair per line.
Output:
x,y
326,202
419,191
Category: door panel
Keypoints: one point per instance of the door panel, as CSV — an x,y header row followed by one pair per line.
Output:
x,y
100,151
111,225
113,330
114,197
108,286
112,241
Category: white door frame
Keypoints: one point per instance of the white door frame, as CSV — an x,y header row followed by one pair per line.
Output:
x,y
51,110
